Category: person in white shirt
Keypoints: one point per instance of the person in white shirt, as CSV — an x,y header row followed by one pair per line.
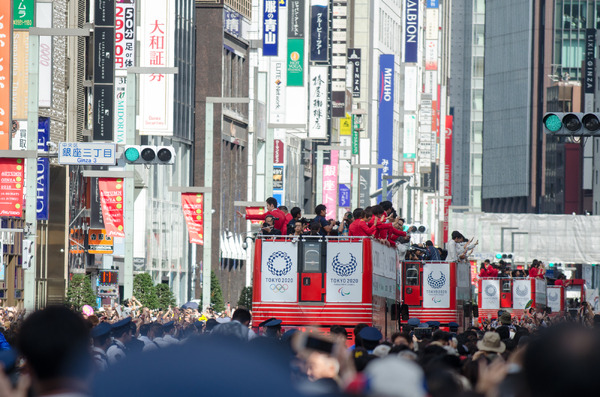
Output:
x,y
147,334
121,331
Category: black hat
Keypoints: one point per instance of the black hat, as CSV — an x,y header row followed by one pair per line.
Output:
x,y
273,323
453,325
101,330
264,323
413,322
119,325
433,324
199,324
370,334
168,326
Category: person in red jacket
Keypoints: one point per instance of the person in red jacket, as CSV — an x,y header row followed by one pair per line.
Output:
x,y
359,227
278,215
536,270
483,271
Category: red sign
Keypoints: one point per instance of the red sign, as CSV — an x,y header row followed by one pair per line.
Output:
x,y
5,86
255,211
447,173
278,151
193,211
12,173
111,197
409,168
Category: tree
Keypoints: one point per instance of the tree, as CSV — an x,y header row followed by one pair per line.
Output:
x,y
144,290
165,296
80,292
216,295
246,298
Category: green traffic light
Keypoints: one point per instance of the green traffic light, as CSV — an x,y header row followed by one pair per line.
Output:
x,y
132,154
553,123
498,256
551,264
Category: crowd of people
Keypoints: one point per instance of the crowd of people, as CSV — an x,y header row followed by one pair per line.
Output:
x,y
58,351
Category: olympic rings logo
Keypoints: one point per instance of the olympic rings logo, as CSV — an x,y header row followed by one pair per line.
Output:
x,y
281,288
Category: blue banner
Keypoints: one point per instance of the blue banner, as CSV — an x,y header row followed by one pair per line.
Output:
x,y
432,3
411,31
43,170
344,195
386,116
270,27
319,30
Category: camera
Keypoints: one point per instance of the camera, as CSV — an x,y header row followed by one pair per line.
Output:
x,y
337,223
304,221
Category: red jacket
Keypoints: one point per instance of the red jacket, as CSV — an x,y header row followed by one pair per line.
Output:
x,y
279,223
360,228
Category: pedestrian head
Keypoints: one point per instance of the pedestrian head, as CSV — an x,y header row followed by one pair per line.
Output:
x,y
271,203
320,210
55,343
296,213
242,315
283,208
358,213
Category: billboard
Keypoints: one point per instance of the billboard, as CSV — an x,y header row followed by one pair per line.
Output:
x,y
43,169
295,18
317,128
270,27
354,56
295,63
411,31
44,20
386,116
23,13
20,72
5,86
157,49
277,80
124,34
319,27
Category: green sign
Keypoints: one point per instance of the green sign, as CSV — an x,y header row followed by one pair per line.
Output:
x,y
23,11
295,63
355,139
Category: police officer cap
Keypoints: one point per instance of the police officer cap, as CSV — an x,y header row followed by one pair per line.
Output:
x,y
199,324
371,334
433,323
101,330
264,323
169,325
414,322
273,323
122,323
424,325
288,334
453,325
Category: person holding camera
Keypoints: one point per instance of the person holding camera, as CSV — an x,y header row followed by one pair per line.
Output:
x,y
348,218
268,227
326,226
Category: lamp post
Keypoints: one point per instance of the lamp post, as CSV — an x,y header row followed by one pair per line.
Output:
x,y
386,178
355,192
208,177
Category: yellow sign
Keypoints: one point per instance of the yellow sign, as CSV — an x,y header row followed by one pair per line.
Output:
x,y
346,125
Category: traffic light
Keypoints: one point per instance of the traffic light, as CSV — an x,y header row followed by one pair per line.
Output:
x,y
572,124
505,256
135,154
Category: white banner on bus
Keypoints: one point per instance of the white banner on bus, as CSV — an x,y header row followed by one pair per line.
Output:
x,y
553,294
490,294
540,291
279,270
344,272
436,285
384,260
521,293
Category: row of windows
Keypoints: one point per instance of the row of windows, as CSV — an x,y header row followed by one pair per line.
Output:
x,y
390,33
233,79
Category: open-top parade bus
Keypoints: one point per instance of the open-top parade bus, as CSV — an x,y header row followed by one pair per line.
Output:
x,y
320,282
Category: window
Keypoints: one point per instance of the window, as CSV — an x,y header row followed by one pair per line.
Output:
x,y
412,274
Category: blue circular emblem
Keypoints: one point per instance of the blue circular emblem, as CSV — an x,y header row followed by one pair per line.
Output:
x,y
436,283
287,262
344,269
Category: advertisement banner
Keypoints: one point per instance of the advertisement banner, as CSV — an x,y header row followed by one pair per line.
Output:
x,y
540,291
344,272
410,136
104,13
278,179
384,261
19,135
317,128
295,18
432,3
23,13
319,27
12,174
590,70
344,195
436,285
330,188
521,293
277,96
295,63
431,54
554,298
354,66
157,29
408,168
490,294
447,173
411,31
384,287
124,34
364,188
270,27
20,73
232,22
43,19
120,109
386,116
355,136
96,219
278,151
193,212
410,88
43,170
432,23
346,125
5,86
111,197
279,272
103,112
99,242
104,55
338,104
